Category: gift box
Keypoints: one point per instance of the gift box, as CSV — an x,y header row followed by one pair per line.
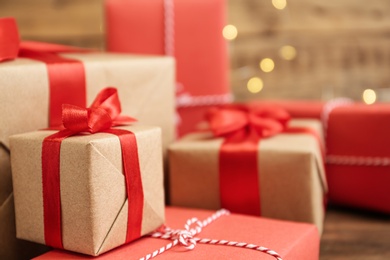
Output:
x,y
358,158
88,193
289,240
278,177
357,162
95,203
34,85
191,31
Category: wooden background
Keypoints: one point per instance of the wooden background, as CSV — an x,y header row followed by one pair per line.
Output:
x,y
343,46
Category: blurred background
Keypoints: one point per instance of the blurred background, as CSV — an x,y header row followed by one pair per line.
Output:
x,y
310,49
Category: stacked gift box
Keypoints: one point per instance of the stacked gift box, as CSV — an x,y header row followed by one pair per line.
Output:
x,y
87,138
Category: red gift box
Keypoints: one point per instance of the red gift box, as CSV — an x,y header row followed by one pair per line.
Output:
x,y
358,158
191,31
288,239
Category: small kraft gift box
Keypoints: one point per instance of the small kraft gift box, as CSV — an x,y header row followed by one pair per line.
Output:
x,y
357,154
190,31
216,235
253,161
92,186
37,78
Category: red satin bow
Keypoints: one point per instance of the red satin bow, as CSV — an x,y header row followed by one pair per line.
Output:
x,y
103,114
237,122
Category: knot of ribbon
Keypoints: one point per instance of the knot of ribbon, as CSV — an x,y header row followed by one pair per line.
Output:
x,y
103,114
238,122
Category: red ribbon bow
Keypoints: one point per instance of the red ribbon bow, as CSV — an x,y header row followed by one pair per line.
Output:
x,y
100,117
103,114
243,127
237,122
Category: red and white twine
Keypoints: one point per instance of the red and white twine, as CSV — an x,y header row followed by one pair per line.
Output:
x,y
185,237
357,160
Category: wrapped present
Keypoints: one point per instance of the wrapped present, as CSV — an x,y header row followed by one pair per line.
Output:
x,y
221,236
255,161
36,83
191,31
358,158
88,193
358,161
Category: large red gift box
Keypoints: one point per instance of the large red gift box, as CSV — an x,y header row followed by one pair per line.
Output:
x,y
191,31
288,239
358,157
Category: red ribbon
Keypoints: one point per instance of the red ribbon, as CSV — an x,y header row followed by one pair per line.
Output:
x,y
101,116
243,127
66,76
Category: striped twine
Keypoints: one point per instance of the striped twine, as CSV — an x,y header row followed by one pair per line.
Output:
x,y
169,16
185,237
358,161
186,100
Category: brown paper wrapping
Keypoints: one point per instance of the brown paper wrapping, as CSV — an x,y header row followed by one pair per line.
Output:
x,y
145,85
292,182
93,196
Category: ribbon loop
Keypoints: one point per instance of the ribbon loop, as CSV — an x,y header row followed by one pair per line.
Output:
x,y
243,122
102,115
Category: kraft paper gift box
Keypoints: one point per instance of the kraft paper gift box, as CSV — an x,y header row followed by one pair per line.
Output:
x,y
28,91
94,204
358,161
289,181
190,31
290,240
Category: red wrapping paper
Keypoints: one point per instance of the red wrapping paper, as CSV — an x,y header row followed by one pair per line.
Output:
x,y
198,46
291,240
361,132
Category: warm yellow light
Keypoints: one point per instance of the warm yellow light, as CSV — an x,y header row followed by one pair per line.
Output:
x,y
255,85
369,96
230,32
288,52
267,65
279,4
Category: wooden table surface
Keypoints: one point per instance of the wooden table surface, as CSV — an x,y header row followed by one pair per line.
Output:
x,y
357,235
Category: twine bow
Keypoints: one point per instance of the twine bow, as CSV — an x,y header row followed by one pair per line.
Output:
x,y
186,237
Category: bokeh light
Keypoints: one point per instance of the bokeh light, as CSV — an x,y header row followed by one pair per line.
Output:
x,y
288,52
230,32
255,85
267,65
279,4
369,96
